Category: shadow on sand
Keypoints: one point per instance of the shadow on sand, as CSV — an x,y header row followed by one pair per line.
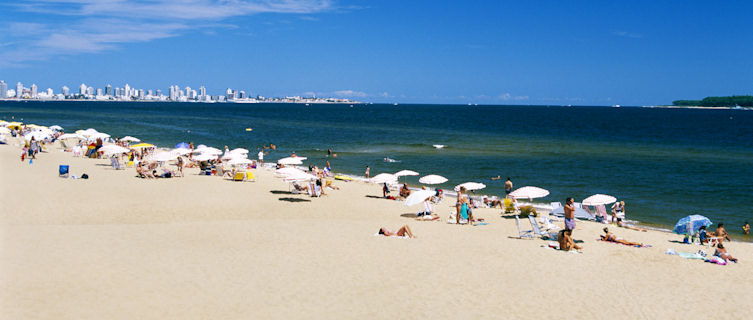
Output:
x,y
294,200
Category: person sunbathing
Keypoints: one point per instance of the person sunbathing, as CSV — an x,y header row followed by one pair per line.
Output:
x,y
404,191
610,237
144,172
427,214
565,239
402,232
629,226
330,185
300,188
721,252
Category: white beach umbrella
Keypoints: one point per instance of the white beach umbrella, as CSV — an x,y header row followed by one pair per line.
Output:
x,y
405,173
239,161
205,157
288,171
598,199
181,151
164,156
4,130
99,135
239,150
70,136
130,139
529,192
56,128
113,149
208,150
37,135
88,132
302,176
230,156
432,179
417,197
383,177
470,186
291,160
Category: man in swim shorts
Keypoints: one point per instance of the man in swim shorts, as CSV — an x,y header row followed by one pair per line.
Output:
x,y
569,214
508,186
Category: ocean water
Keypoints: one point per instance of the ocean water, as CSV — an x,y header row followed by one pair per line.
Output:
x,y
664,163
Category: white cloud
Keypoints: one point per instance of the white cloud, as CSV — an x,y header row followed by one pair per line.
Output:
x,y
91,26
507,96
351,93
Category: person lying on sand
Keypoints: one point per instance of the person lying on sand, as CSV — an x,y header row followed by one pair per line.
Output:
x,y
721,252
628,226
300,188
566,241
610,237
402,232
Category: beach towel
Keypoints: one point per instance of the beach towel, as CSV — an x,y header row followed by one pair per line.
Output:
x,y
716,260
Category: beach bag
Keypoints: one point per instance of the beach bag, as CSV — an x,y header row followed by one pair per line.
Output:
x,y
84,176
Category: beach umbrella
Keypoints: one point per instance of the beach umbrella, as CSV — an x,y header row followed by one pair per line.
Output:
x,y
130,139
287,171
113,149
4,130
405,173
529,192
56,128
383,178
470,186
417,197
598,199
239,151
205,157
181,151
291,160
691,224
239,161
141,145
229,156
432,179
302,176
88,132
208,150
98,135
182,145
164,156
38,135
70,136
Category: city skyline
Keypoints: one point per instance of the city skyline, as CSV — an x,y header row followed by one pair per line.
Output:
x,y
501,52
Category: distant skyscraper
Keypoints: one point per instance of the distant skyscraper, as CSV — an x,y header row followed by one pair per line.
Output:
x,y
19,90
99,91
149,92
141,93
127,90
3,90
202,92
82,89
90,91
49,92
33,90
174,93
65,91
108,90
188,91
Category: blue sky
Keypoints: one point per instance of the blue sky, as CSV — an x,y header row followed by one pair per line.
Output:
x,y
490,52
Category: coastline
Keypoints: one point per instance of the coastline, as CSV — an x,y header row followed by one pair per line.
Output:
x,y
119,247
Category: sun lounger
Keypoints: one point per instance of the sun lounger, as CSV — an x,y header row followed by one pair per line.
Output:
x,y
535,226
523,233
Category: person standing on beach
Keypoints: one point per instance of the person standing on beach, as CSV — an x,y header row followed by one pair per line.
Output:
x,y
508,186
367,172
569,214
261,156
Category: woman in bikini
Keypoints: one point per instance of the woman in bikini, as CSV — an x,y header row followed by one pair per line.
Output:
x,y
612,238
721,252
402,232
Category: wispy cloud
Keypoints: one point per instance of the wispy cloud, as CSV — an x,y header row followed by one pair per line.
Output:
x,y
626,34
351,93
91,26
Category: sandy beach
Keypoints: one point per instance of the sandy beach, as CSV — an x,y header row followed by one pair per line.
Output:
x,y
119,247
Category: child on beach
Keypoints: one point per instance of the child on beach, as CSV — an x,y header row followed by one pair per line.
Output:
x,y
746,228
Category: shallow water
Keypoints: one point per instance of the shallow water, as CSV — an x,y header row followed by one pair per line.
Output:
x,y
664,163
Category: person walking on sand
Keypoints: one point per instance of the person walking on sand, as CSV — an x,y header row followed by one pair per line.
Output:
x,y
569,214
180,166
367,172
261,156
508,186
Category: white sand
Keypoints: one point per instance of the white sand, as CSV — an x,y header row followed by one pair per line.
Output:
x,y
119,247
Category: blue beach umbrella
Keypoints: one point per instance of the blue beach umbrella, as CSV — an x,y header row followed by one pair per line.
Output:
x,y
693,222
181,145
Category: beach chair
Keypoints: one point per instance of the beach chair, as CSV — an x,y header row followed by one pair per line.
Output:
x,y
523,233
536,229
250,176
556,205
509,206
317,190
115,163
63,171
239,176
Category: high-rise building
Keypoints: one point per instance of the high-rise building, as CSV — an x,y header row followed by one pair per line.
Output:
x,y
19,90
127,90
174,93
82,89
49,92
90,91
65,91
188,91
159,92
108,90
99,91
141,93
202,92
3,90
33,90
